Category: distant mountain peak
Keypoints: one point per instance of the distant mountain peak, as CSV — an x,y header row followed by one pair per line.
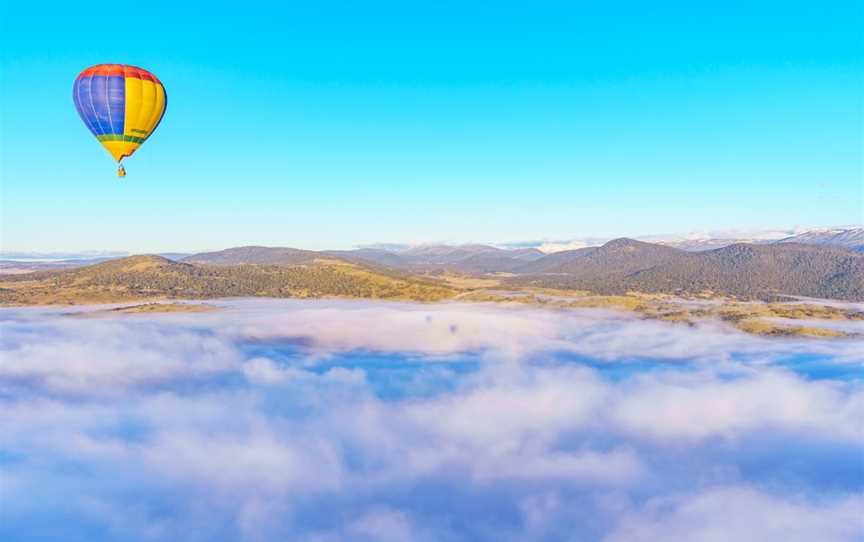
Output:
x,y
139,263
625,243
450,249
851,238
254,254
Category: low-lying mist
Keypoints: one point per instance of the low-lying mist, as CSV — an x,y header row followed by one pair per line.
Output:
x,y
336,420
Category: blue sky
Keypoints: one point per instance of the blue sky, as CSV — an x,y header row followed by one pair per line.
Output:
x,y
333,124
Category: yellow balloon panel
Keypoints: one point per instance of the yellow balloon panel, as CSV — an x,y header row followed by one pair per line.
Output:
x,y
145,103
121,105
120,149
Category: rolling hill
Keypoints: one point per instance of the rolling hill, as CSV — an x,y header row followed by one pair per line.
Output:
x,y
254,254
470,259
148,277
615,258
426,258
741,270
747,271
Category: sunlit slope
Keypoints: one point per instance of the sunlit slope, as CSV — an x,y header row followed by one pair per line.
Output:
x,y
740,271
146,277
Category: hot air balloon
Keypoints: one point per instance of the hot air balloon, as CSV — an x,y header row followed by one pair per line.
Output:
x,y
121,105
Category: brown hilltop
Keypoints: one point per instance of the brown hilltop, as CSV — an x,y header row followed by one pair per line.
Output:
x,y
744,271
140,262
150,277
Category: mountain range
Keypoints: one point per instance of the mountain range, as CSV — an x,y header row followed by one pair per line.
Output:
x,y
822,268
742,270
151,276
850,237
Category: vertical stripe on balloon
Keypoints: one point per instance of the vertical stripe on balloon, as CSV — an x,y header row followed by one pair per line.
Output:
x,y
116,98
120,105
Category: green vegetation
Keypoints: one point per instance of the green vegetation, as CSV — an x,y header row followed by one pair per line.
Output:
x,y
149,278
744,271
152,277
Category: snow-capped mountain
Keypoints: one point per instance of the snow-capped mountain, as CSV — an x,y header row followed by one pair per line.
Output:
x,y
700,241
711,243
852,238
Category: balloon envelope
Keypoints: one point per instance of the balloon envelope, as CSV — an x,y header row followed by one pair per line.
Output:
x,y
121,105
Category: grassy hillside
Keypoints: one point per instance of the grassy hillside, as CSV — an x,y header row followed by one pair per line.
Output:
x,y
741,270
150,277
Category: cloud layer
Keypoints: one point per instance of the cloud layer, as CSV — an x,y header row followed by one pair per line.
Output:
x,y
383,421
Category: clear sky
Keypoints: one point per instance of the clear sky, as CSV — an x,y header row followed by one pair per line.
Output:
x,y
330,124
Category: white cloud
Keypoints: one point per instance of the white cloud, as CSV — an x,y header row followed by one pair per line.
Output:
x,y
382,525
743,514
259,462
82,355
513,405
550,247
272,420
700,406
